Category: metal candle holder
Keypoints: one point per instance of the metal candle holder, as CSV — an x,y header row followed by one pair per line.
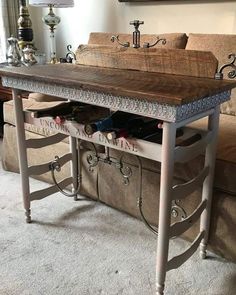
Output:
x,y
136,37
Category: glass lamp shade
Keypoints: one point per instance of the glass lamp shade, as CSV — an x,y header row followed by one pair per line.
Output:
x,y
55,3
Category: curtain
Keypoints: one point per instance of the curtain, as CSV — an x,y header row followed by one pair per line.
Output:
x,y
9,13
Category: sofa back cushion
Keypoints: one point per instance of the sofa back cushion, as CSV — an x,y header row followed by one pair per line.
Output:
x,y
221,46
174,40
43,97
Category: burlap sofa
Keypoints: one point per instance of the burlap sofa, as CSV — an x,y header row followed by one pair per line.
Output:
x,y
106,182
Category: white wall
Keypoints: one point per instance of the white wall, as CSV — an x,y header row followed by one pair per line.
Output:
x,y
113,16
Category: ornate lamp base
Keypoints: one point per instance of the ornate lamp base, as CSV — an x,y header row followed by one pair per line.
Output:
x,y
52,21
25,31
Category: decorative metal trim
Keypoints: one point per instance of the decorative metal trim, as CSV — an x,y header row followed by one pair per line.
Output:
x,y
125,170
70,55
177,210
56,166
142,107
93,159
137,37
136,32
231,64
116,38
192,108
148,45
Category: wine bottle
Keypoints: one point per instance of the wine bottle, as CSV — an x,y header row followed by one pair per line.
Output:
x,y
59,120
116,120
88,113
72,111
137,128
117,133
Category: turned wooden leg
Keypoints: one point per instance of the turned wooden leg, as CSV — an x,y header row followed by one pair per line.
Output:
x,y
213,126
22,152
167,167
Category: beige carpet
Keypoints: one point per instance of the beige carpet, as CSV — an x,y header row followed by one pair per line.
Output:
x,y
85,248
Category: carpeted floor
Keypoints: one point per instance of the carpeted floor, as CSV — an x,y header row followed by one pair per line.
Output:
x,y
86,248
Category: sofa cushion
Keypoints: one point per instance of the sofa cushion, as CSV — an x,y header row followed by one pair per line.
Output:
x,y
43,97
225,156
174,40
221,46
226,153
9,116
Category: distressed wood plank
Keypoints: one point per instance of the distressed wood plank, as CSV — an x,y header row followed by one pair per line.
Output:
x,y
169,61
151,87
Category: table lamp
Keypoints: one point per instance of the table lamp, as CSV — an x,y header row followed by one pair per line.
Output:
x,y
24,30
52,20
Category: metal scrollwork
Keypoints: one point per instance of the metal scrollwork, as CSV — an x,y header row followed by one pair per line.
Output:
x,y
231,74
140,199
92,160
177,210
116,38
148,45
56,166
70,56
125,171
136,37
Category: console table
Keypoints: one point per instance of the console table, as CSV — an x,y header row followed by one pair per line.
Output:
x,y
176,99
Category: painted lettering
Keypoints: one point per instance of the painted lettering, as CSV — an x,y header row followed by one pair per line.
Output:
x,y
120,143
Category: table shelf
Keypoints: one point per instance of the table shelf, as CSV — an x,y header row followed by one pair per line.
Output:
x,y
138,147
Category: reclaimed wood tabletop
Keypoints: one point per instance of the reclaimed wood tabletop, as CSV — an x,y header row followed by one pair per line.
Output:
x,y
149,86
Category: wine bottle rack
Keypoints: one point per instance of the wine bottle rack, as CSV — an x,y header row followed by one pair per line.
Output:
x,y
138,147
